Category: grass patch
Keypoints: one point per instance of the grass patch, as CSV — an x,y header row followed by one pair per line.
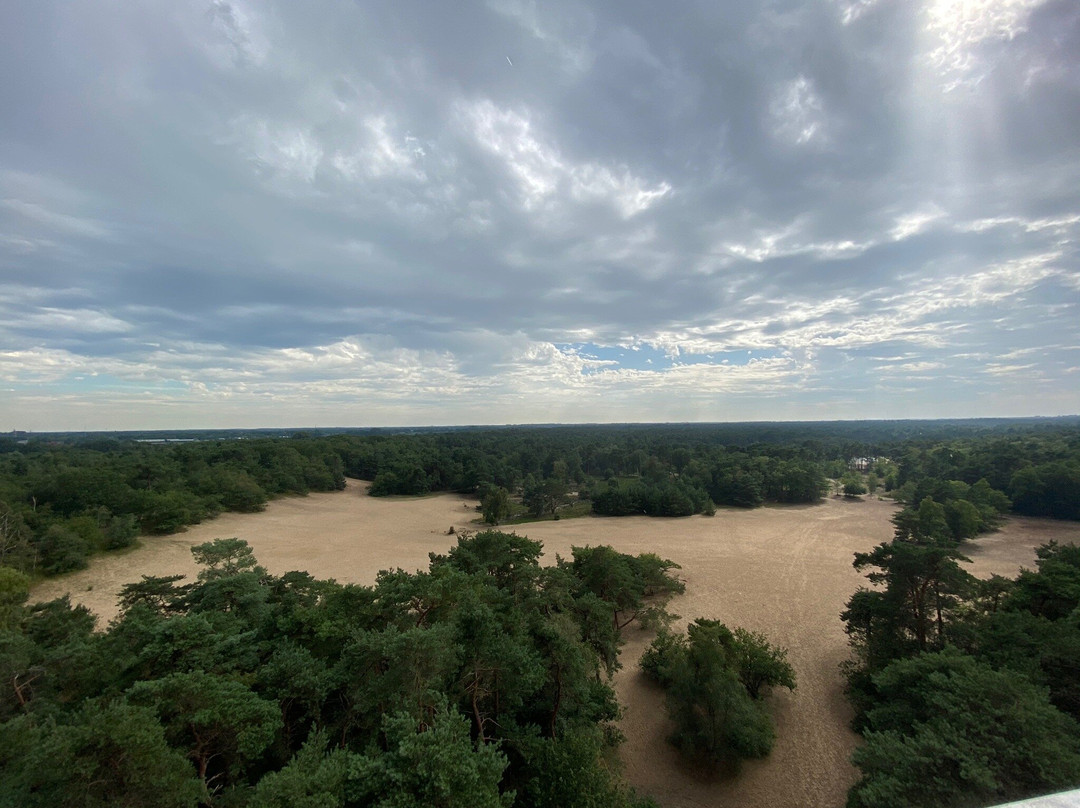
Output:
x,y
519,514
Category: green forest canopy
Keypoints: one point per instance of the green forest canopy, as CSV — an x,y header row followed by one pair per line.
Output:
x,y
243,688
65,497
482,681
967,691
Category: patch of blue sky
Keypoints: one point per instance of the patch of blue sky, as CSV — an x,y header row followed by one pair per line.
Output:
x,y
99,382
639,357
723,357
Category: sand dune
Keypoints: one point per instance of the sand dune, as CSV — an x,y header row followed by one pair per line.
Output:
x,y
785,571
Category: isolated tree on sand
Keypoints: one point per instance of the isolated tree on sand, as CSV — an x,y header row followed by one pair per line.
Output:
x,y
223,557
853,485
545,497
715,680
496,505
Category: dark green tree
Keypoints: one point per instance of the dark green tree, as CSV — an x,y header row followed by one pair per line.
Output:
x,y
713,679
219,723
545,497
62,550
15,548
103,755
853,485
223,557
922,582
431,763
313,778
952,731
1053,591
14,590
496,505
624,581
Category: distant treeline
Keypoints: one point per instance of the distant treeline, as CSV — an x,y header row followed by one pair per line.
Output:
x,y
66,497
1033,466
664,472
1039,471
61,503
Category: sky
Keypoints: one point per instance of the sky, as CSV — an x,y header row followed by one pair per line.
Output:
x,y
331,213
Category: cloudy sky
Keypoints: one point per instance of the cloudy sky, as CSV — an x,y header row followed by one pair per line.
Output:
x,y
241,213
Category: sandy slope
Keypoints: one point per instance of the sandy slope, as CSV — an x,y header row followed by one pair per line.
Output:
x,y
785,571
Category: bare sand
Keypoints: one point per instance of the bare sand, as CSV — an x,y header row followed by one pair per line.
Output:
x,y
785,571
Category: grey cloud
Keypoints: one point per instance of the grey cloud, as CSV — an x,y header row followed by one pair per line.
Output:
x,y
469,186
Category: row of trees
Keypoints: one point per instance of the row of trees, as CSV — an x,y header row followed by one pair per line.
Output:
x,y
59,504
684,482
483,681
1037,469
61,501
966,691
1033,466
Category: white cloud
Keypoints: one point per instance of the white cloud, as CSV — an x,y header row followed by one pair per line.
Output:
x,y
911,224
790,240
292,151
1026,371
852,10
54,221
87,321
912,367
798,116
961,26
509,136
794,238
629,194
542,172
383,153
20,245
238,37
1059,224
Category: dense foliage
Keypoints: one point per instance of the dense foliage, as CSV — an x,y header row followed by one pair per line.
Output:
x,y
967,692
68,496
484,680
656,471
481,682
714,680
1030,467
61,503
1038,470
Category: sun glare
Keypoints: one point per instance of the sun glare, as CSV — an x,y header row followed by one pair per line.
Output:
x,y
960,26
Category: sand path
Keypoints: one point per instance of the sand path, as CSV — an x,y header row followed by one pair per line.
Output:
x,y
785,571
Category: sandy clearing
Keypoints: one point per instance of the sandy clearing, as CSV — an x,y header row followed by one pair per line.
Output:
x,y
348,536
785,571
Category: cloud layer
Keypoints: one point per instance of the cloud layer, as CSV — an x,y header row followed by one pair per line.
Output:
x,y
260,214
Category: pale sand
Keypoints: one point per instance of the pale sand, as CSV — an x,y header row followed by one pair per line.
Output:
x,y
785,571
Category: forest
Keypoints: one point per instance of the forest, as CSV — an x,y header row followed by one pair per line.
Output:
x,y
485,679
482,681
66,497
966,691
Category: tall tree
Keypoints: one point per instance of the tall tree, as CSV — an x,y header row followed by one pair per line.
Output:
x,y
496,505
713,679
105,754
220,723
922,581
951,731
